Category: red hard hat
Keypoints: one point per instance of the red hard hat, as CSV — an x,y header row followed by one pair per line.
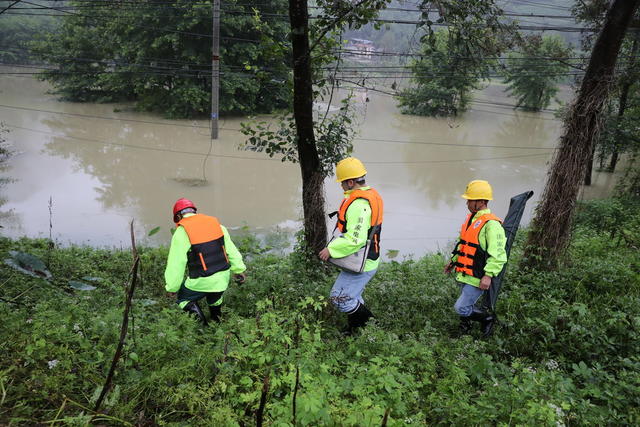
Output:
x,y
180,205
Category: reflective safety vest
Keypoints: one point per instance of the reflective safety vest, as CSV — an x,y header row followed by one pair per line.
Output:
x,y
471,257
375,228
207,255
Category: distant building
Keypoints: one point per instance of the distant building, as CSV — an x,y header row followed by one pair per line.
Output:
x,y
361,48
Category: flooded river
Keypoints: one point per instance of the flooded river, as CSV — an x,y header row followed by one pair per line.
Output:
x,y
101,168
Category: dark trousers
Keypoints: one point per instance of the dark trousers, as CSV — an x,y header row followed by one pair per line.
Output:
x,y
186,295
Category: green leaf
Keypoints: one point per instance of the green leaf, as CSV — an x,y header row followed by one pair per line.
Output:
x,y
154,231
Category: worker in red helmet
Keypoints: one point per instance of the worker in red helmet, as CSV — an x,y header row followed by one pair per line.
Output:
x,y
203,245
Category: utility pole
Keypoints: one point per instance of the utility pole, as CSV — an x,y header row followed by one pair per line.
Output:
x,y
215,69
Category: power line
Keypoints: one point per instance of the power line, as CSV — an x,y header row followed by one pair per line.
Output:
x,y
229,9
564,29
373,162
205,66
134,5
111,17
9,7
472,102
199,70
545,5
396,21
446,144
201,75
499,113
140,147
410,75
347,74
91,116
226,156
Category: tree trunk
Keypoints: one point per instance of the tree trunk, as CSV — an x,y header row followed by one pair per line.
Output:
x,y
624,98
613,161
315,227
551,227
589,171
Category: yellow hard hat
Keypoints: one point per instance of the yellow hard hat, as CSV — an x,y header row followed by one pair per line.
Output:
x,y
478,190
349,168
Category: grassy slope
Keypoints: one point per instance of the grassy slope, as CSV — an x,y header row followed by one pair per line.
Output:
x,y
567,351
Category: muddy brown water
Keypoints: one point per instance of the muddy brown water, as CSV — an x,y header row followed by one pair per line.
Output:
x,y
104,165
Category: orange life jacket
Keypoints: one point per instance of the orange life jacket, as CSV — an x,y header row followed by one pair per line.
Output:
x,y
207,255
375,227
471,257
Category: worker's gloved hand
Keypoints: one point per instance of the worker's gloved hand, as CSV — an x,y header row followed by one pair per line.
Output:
x,y
239,278
485,282
448,268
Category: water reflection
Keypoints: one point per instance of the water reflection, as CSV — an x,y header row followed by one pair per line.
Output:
x,y
422,165
103,168
5,215
148,167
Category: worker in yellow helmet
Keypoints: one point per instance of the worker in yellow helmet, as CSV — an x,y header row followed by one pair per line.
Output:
x,y
478,256
356,236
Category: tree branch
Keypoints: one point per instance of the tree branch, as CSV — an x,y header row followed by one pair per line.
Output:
x,y
123,327
333,23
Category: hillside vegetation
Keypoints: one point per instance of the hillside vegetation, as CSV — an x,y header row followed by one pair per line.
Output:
x,y
567,351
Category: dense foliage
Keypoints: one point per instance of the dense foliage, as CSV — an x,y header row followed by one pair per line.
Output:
x,y
453,62
533,72
159,55
443,79
17,31
567,352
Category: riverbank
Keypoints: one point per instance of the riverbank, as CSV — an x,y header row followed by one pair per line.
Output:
x,y
567,351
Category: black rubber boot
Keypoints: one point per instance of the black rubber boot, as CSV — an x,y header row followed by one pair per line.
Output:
x,y
216,312
465,325
194,309
358,318
487,322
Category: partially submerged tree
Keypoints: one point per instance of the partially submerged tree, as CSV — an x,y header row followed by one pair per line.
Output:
x,y
444,77
159,55
455,60
533,72
550,229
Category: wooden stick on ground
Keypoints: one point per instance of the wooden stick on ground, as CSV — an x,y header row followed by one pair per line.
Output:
x,y
125,322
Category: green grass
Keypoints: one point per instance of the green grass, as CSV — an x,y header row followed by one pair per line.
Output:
x,y
566,353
